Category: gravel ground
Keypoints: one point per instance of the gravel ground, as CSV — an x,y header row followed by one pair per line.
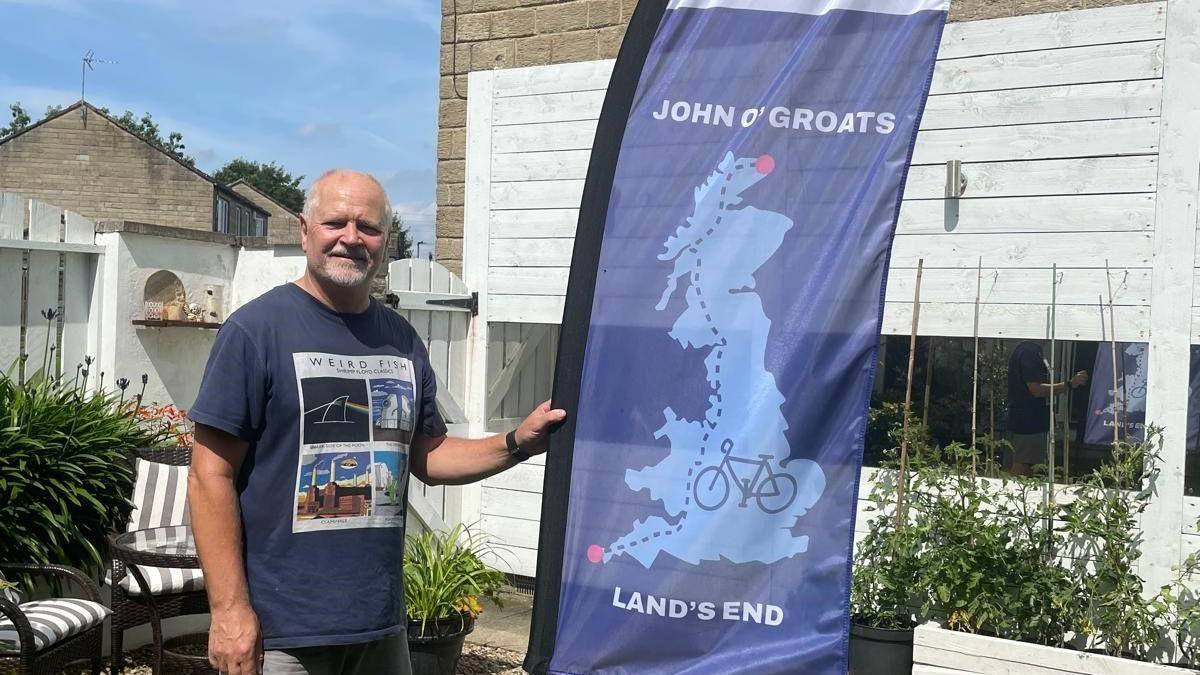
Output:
x,y
483,660
476,660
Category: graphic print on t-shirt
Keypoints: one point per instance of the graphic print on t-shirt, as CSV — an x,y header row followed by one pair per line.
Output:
x,y
335,410
355,426
391,408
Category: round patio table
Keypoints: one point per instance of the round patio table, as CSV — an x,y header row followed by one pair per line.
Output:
x,y
170,547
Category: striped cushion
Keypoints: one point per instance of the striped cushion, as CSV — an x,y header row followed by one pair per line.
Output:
x,y
163,580
159,496
160,500
10,594
52,621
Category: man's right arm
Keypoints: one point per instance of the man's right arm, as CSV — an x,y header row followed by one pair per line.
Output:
x,y
234,638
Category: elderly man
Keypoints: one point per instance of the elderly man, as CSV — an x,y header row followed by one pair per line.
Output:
x,y
301,552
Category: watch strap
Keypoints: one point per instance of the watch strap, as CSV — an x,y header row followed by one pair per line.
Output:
x,y
514,450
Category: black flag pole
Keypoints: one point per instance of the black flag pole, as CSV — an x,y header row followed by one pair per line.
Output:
x,y
585,261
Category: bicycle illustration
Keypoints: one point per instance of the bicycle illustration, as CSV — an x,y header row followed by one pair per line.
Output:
x,y
772,491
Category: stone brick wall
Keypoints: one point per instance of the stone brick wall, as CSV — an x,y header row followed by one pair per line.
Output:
x,y
104,173
485,34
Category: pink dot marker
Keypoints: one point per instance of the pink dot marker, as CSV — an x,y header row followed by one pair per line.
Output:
x,y
595,553
765,164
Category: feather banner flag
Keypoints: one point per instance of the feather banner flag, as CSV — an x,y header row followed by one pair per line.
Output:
x,y
719,335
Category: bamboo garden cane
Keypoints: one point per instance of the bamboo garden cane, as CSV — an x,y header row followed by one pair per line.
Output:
x,y
1112,338
912,352
975,368
1051,396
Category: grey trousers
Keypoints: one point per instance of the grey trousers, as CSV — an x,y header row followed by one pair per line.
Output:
x,y
388,656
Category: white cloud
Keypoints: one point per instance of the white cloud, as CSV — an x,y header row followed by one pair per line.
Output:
x,y
418,217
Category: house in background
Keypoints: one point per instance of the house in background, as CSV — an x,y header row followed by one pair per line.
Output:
x,y
285,223
80,159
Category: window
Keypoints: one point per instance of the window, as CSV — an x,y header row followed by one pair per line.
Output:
x,y
1008,414
222,224
260,225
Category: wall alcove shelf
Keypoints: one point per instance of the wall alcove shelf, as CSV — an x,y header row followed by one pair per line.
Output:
x,y
163,323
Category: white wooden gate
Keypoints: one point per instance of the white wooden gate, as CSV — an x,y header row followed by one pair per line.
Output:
x,y
440,309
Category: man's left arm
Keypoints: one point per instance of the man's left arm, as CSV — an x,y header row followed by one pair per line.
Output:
x,y
445,460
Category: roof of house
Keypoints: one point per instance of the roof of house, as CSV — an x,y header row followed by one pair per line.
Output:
x,y
276,202
91,108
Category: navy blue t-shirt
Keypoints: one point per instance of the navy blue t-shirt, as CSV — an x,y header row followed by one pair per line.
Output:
x,y
329,403
1027,414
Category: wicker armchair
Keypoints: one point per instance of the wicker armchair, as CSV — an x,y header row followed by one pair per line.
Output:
x,y
52,633
172,592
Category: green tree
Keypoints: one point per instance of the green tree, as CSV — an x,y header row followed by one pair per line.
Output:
x,y
20,120
271,178
401,241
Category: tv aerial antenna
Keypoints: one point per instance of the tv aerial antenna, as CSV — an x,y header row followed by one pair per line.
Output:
x,y
86,64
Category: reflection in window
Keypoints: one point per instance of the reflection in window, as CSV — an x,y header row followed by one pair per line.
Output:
x,y
1013,412
1191,475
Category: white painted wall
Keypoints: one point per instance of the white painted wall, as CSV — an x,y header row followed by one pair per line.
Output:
x,y
259,270
174,357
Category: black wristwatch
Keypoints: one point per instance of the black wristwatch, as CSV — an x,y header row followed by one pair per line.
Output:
x,y
514,450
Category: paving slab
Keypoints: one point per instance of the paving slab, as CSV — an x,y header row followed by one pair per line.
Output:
x,y
506,627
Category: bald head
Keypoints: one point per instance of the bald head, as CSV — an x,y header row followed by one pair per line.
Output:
x,y
337,180
344,231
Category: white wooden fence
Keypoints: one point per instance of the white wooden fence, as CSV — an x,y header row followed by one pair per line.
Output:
x,y
1079,134
35,239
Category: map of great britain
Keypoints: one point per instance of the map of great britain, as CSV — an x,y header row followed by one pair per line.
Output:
x,y
727,485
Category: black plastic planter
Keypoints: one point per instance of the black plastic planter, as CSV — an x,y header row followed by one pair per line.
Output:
x,y
436,650
880,651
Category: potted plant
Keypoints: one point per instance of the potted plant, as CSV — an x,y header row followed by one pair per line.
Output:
x,y
445,580
1023,618
1102,524
885,594
993,572
1180,603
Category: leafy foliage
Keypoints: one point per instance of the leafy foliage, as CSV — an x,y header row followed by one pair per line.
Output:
x,y
444,576
20,120
64,479
400,241
985,555
1179,602
271,178
1103,524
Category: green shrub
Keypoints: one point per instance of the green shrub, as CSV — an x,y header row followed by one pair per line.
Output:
x,y
1103,525
445,577
64,482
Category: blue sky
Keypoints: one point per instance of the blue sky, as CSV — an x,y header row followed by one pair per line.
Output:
x,y
309,85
